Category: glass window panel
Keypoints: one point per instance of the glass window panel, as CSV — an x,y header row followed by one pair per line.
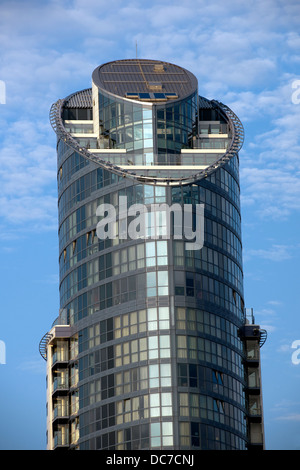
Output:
x,y
153,376
152,319
150,249
167,430
140,251
155,441
124,256
151,292
164,346
142,321
142,316
133,318
147,113
162,291
153,347
162,278
181,341
164,341
151,261
134,346
143,373
138,132
160,194
131,253
165,370
150,253
126,348
149,193
162,248
164,318
162,260
166,399
153,342
152,314
140,256
151,279
143,344
153,371
155,404
163,313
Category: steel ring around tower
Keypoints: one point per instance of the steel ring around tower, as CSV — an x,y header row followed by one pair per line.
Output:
x,y
236,143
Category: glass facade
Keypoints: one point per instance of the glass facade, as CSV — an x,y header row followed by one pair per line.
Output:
x,y
176,126
156,359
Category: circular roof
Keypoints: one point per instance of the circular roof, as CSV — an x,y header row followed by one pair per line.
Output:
x,y
146,80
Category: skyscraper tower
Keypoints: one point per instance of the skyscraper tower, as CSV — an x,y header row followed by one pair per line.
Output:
x,y
152,348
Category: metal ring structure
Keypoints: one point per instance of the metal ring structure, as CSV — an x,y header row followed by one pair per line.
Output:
x,y
236,128
43,345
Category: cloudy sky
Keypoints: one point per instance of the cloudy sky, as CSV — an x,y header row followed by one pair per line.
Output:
x,y
245,54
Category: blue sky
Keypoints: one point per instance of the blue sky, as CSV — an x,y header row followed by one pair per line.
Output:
x,y
245,54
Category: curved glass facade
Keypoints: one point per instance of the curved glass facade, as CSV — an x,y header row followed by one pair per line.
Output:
x,y
176,126
158,361
124,125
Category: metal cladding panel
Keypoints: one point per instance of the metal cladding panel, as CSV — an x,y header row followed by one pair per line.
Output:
x,y
82,99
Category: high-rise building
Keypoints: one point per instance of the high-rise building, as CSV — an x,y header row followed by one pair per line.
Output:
x,y
153,347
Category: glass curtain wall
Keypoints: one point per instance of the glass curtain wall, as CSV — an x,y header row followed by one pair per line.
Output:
x,y
126,125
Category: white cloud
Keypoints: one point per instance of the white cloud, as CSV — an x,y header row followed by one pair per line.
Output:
x,y
28,179
274,253
270,163
276,303
284,348
289,417
35,366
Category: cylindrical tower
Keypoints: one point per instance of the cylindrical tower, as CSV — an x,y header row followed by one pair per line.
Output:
x,y
150,256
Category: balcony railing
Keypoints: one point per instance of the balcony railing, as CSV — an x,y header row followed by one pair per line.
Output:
x,y
60,384
61,411
60,356
235,129
61,438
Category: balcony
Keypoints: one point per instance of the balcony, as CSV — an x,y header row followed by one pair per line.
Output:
x,y
60,356
60,384
255,410
61,412
61,438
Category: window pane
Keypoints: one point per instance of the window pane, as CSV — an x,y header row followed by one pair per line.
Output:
x,y
154,399
151,279
152,314
167,429
150,249
153,342
161,248
162,278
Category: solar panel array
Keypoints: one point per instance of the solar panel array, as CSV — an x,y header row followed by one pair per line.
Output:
x,y
145,79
